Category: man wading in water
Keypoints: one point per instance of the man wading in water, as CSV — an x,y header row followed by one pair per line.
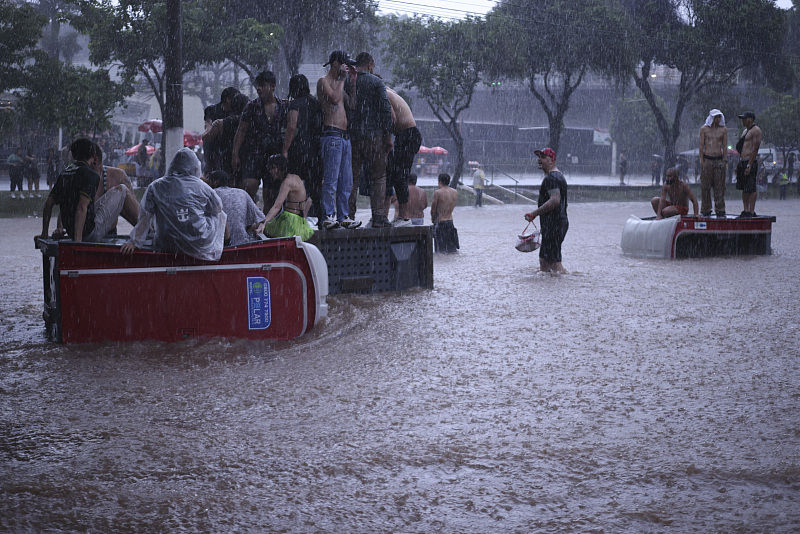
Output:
x,y
553,211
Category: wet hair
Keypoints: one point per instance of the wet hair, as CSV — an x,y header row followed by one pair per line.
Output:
x,y
238,102
444,178
98,151
412,179
279,162
266,77
81,149
364,59
675,171
219,178
298,86
228,93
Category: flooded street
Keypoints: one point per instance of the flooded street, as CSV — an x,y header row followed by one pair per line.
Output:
x,y
627,396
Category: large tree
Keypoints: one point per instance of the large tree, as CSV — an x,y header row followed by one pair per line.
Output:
x,y
20,28
707,43
781,124
441,60
303,19
82,102
554,45
132,35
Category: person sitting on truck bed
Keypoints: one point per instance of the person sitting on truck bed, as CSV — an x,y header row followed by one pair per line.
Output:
x,y
74,192
679,195
244,217
187,212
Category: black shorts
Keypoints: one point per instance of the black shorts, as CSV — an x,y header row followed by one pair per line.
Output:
x,y
552,238
400,161
746,182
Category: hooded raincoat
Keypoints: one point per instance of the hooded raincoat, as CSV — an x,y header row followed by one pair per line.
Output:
x,y
188,213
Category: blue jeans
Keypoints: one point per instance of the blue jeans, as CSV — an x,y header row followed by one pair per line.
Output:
x,y
337,178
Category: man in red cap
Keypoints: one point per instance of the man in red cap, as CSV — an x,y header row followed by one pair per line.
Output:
x,y
552,207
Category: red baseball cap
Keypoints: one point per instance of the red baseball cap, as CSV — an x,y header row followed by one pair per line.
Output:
x,y
549,152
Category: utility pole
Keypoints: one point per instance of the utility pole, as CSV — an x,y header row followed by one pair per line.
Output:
x,y
173,62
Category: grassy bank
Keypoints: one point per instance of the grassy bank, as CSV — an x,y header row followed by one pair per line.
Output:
x,y
32,207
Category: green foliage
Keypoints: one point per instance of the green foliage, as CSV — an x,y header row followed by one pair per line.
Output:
x,y
781,123
709,42
553,45
633,130
20,28
77,99
442,60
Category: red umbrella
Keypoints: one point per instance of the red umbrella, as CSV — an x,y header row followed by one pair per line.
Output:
x,y
152,125
134,149
424,150
440,151
191,138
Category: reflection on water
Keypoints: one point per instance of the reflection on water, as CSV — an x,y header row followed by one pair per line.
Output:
x,y
630,395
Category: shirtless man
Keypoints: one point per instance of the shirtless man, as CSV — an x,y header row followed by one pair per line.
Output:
x,y
417,201
337,152
713,146
444,200
287,215
407,140
679,196
747,169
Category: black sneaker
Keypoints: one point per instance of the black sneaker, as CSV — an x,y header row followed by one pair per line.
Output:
x,y
381,222
721,215
744,215
705,214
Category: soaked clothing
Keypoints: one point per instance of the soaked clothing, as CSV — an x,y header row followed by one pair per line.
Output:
x,y
264,136
552,239
400,161
188,213
287,224
445,237
76,181
241,212
554,223
746,182
712,176
372,114
305,159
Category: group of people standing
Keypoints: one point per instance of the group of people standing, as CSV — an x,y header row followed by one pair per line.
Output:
x,y
20,167
356,135
713,151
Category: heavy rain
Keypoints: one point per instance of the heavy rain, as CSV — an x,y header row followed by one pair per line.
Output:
x,y
264,266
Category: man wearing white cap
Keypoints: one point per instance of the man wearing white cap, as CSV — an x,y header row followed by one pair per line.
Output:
x,y
713,148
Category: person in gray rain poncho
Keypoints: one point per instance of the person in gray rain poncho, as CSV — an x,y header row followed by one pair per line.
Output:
x,y
188,213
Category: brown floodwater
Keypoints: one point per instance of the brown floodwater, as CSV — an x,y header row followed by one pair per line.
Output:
x,y
627,396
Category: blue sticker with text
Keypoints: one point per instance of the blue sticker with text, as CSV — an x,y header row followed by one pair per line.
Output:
x,y
259,314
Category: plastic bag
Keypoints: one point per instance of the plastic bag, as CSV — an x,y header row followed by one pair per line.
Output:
x,y
529,242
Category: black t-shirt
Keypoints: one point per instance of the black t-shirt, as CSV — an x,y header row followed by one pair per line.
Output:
x,y
553,180
74,182
309,123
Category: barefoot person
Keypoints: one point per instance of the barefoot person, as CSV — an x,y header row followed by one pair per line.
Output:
x,y
553,211
679,195
747,169
713,148
445,234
